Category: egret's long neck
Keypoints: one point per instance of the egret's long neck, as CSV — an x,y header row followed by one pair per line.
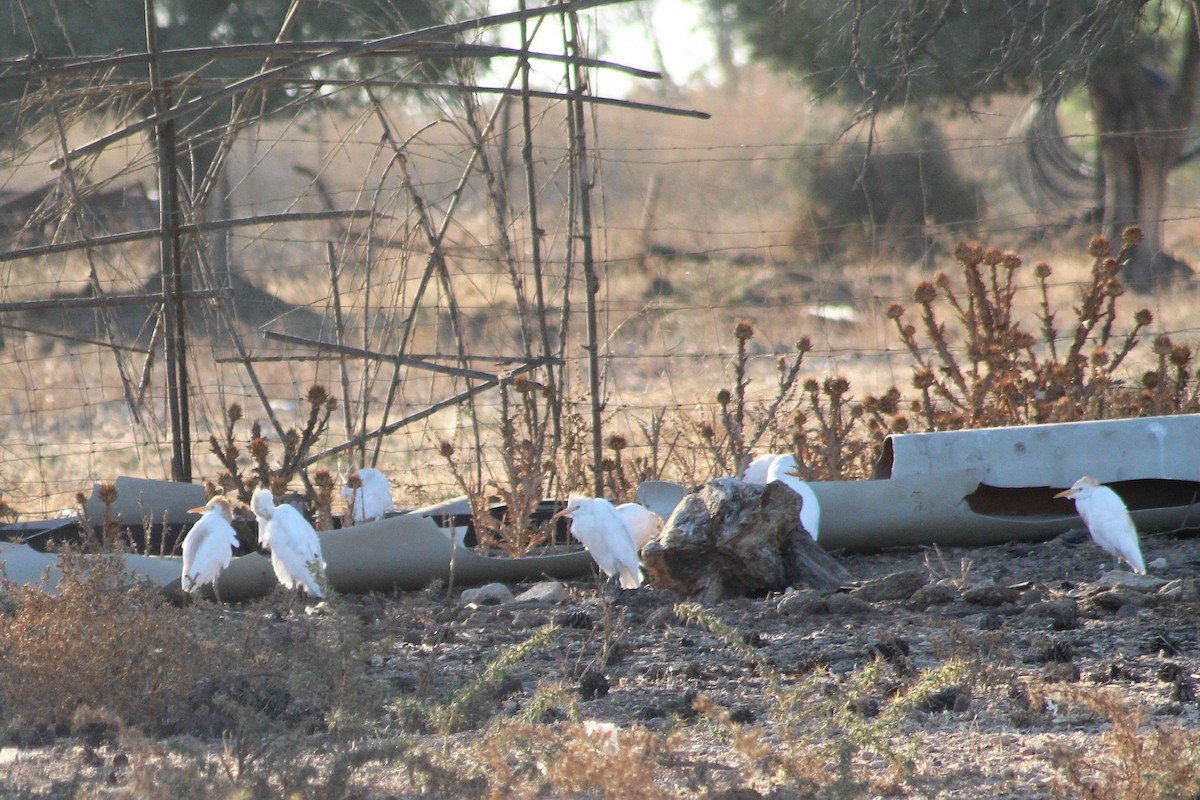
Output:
x,y
263,505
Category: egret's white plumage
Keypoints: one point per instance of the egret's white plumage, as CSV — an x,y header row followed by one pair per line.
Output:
x,y
292,540
642,523
783,469
372,499
208,546
756,470
1107,520
604,534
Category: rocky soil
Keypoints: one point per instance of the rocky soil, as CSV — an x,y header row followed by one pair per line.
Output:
x,y
1026,649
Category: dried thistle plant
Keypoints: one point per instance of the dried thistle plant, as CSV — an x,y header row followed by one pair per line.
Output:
x,y
237,481
1001,374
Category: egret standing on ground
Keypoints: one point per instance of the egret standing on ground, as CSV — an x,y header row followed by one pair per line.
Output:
x,y
642,523
1107,520
292,540
371,499
784,469
603,532
208,546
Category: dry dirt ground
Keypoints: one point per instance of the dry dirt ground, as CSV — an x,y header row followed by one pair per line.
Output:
x,y
1021,640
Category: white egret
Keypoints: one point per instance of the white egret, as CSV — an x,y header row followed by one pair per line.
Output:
x,y
756,470
642,523
604,534
784,469
371,498
292,540
208,546
1107,520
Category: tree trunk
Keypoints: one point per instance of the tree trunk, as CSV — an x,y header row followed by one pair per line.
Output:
x,y
1142,120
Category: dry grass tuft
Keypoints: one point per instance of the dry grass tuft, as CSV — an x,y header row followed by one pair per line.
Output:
x,y
1129,760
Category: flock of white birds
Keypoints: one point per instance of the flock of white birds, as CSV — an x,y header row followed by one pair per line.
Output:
x,y
291,539
613,535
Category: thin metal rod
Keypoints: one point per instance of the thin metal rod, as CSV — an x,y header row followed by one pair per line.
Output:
x,y
396,425
391,358
352,51
66,337
578,87
535,230
339,330
58,66
184,228
109,301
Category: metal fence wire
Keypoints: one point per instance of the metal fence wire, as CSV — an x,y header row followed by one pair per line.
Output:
x,y
462,266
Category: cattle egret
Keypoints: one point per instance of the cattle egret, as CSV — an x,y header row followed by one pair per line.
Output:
x,y
208,546
756,470
604,534
1107,520
784,469
371,499
642,523
295,548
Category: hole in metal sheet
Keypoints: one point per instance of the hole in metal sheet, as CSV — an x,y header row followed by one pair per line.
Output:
x,y
1039,501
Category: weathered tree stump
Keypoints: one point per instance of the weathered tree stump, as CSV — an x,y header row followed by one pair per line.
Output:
x,y
733,539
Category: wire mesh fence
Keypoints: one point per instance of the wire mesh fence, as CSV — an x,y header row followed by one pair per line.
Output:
x,y
478,261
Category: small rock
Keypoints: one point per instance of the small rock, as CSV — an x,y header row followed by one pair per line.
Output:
x,y
1060,672
951,698
1033,594
991,622
574,618
490,594
1054,651
934,594
1128,580
802,602
1159,563
1185,590
1114,599
742,715
528,618
663,617
893,649
1170,672
592,684
1063,614
897,586
991,596
847,604
442,634
1184,691
552,592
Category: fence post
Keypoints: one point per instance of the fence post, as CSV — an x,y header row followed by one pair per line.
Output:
x,y
171,267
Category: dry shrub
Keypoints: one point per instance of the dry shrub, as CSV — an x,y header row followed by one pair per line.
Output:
x,y
100,643
885,195
573,759
103,647
1128,760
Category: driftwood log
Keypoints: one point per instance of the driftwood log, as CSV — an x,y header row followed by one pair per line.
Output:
x,y
733,539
